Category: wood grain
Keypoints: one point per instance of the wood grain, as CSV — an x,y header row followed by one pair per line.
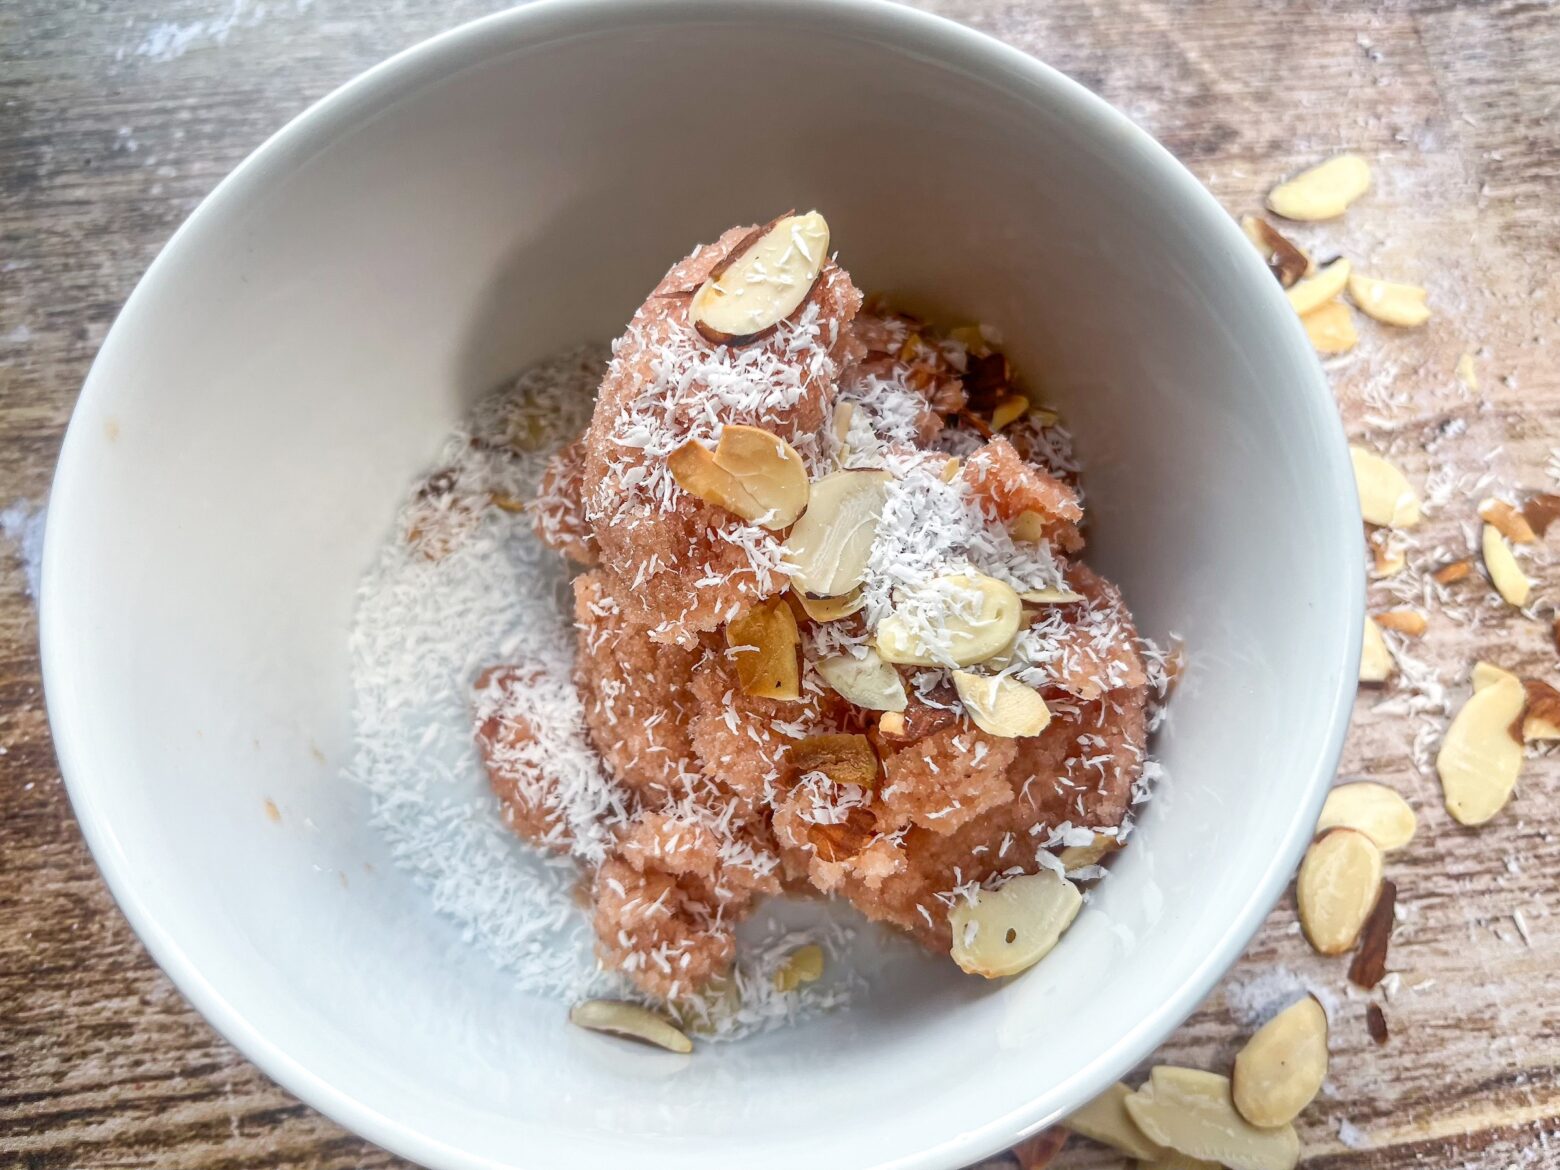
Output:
x,y
116,118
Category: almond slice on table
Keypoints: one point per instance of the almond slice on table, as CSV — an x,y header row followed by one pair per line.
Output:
x,y
1542,718
1389,303
762,645
1480,758
1315,291
752,473
1008,930
1281,1068
1105,1120
762,281
1339,881
1505,574
868,681
917,634
1411,622
1453,572
1485,673
803,965
630,1020
1284,259
1369,966
1193,1113
1376,661
1322,192
1504,517
1387,499
1370,808
827,550
1002,706
1331,328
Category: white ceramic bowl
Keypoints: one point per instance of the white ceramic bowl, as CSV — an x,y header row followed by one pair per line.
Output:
x,y
299,350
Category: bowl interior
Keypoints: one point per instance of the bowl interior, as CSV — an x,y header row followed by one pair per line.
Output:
x,y
295,359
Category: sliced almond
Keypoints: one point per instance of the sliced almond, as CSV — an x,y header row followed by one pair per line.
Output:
x,y
1323,192
1369,966
1315,291
1479,760
1541,721
1376,661
830,609
844,759
803,965
1405,621
1331,328
844,413
762,281
892,724
1387,499
867,681
1389,303
1281,1068
1387,553
1192,1112
1002,706
1078,856
1050,596
950,471
1283,259
1105,1120
1040,1150
752,473
1340,878
630,1020
1009,410
958,620
1504,517
828,548
1485,673
1370,808
763,645
1008,930
1507,576
1452,572
1467,371
1541,511
1029,526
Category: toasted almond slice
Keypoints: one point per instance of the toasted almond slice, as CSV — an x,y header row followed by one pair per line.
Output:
x,y
1386,497
1080,856
1376,661
1315,291
1479,760
1323,192
1008,930
1486,673
762,281
1281,1068
1283,259
1331,328
769,470
1009,410
762,645
803,965
1050,596
1509,579
1369,966
1452,572
1405,621
1512,524
1002,706
1541,511
1192,1112
1340,879
1029,526
829,546
1039,1150
843,758
1542,718
892,724
958,620
830,609
630,1020
1388,556
1105,1120
867,681
1389,303
1373,809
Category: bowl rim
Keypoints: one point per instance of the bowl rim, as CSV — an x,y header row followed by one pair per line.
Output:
x,y
539,22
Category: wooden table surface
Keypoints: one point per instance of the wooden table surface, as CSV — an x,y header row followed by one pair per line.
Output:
x,y
116,118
